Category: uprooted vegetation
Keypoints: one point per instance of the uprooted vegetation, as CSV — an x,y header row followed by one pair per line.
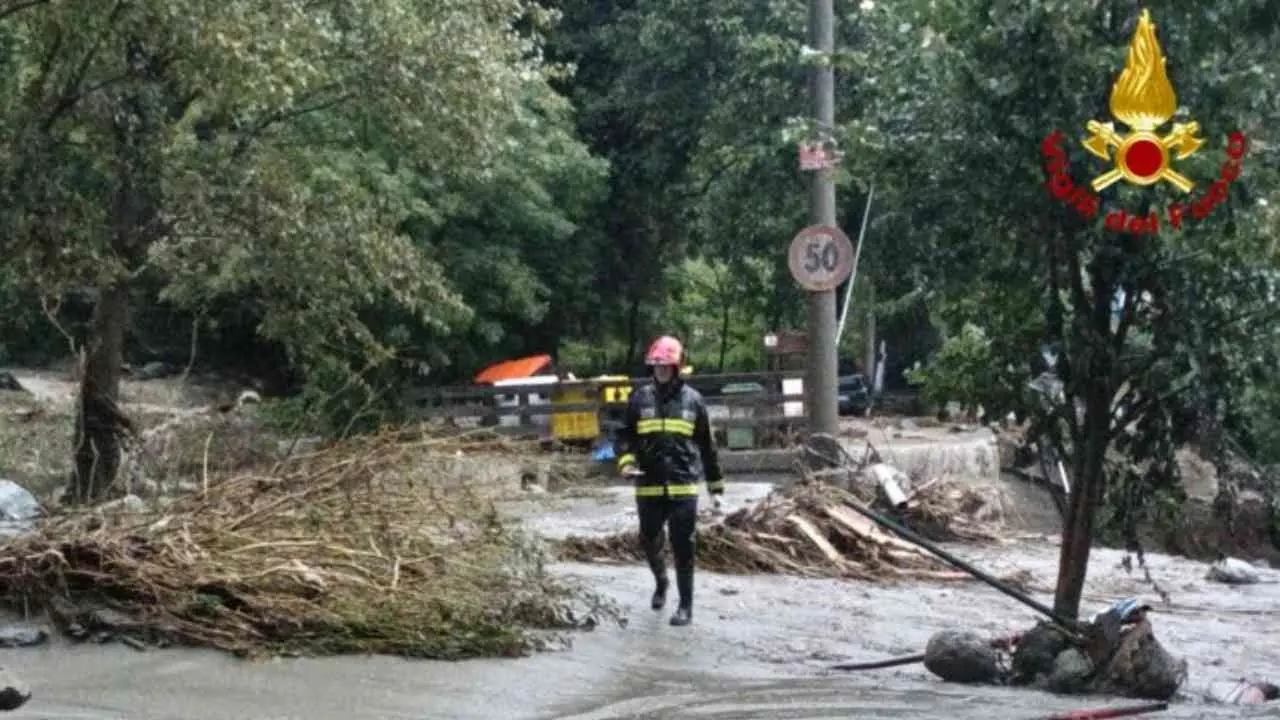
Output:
x,y
378,544
812,530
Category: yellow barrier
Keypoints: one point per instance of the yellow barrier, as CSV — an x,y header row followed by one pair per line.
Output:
x,y
574,425
614,388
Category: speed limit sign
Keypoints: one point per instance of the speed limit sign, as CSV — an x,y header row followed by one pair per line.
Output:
x,y
821,257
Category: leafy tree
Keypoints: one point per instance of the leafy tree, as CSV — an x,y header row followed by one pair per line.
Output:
x,y
258,149
1005,256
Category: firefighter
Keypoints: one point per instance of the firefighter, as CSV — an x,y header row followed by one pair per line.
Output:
x,y
665,445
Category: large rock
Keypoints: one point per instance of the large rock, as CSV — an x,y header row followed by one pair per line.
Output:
x,y
1072,670
1037,653
962,657
1142,668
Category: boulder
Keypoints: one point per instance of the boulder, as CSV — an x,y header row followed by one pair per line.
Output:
x,y
1037,653
1141,667
962,657
1072,670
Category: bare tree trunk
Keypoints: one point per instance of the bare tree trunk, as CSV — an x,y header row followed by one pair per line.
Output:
x,y
136,122
1089,478
99,422
1093,380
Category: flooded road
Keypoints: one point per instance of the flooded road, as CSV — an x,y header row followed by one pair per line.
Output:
x,y
757,650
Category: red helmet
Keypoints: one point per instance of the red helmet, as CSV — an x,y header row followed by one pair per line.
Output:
x,y
666,350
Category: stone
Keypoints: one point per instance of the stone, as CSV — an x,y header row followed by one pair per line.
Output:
x,y
1231,571
13,692
962,657
1072,670
1037,653
1142,668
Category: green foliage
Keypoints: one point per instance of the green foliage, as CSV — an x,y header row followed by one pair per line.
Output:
x,y
291,163
404,193
713,307
961,371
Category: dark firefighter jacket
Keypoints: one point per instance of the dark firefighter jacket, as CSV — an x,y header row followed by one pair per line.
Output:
x,y
667,435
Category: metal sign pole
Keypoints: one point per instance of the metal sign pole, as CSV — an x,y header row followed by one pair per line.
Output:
x,y
822,363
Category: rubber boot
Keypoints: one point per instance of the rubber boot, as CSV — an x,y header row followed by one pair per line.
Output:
x,y
684,585
682,616
659,600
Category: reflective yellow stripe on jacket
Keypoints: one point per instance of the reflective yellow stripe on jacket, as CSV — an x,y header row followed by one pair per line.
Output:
x,y
675,426
649,491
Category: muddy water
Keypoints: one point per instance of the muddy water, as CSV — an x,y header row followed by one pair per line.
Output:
x,y
757,650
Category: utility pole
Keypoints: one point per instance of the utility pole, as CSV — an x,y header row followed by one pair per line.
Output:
x,y
821,375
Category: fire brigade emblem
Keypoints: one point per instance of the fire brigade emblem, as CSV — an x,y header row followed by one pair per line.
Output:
x,y
1143,99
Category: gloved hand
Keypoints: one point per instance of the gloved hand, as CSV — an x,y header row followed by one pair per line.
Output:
x,y
717,503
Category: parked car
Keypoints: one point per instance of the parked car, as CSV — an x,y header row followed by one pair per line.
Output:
x,y
855,395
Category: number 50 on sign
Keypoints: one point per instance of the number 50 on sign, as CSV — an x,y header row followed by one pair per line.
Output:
x,y
820,258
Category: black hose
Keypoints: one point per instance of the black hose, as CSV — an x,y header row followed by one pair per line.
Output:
x,y
879,664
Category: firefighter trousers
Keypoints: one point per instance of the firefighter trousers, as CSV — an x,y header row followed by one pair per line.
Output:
x,y
680,517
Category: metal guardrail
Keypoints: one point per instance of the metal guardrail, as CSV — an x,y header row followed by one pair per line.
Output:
x,y
478,405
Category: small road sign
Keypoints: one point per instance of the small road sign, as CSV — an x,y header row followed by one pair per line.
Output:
x,y
821,257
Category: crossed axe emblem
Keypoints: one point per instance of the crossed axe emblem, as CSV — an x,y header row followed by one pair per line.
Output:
x,y
1142,157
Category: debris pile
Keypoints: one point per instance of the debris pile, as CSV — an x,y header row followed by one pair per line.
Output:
x,y
378,544
1115,654
809,530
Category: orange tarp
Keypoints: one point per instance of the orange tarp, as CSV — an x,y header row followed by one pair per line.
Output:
x,y
513,369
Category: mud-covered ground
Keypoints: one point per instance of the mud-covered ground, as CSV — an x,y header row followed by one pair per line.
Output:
x,y
757,650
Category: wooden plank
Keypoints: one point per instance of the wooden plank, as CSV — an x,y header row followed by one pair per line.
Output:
x,y
864,527
816,537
